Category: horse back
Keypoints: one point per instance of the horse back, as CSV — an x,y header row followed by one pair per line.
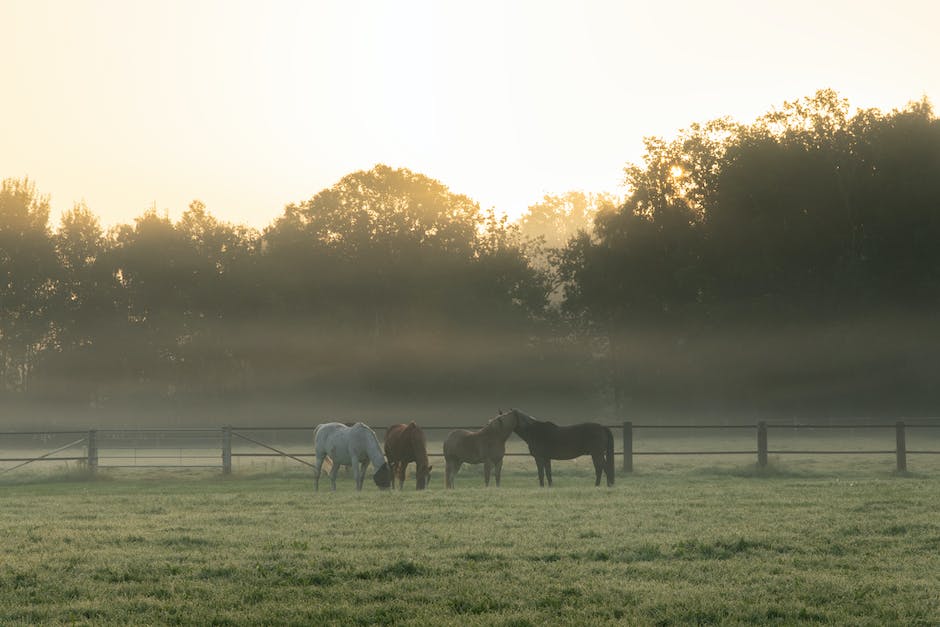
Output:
x,y
325,432
461,443
419,445
416,439
549,440
396,445
454,441
393,433
327,436
339,441
473,447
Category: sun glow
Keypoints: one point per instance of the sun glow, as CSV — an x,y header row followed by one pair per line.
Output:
x,y
249,106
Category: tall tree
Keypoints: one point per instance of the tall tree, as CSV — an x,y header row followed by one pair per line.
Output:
x,y
811,216
559,217
406,270
28,275
80,243
408,240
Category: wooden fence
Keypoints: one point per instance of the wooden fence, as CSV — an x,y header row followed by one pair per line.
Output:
x,y
223,440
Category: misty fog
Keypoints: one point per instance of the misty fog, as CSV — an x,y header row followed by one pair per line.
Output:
x,y
788,268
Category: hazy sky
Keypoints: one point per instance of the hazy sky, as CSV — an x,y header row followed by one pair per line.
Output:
x,y
251,105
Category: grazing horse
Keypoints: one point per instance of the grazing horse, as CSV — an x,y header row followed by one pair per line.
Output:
x,y
354,446
548,441
405,444
488,445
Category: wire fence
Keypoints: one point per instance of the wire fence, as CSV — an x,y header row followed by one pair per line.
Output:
x,y
219,447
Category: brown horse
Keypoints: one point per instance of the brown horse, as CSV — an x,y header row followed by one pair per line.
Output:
x,y
486,446
548,441
405,444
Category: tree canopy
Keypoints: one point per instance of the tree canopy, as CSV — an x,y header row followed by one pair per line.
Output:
x,y
803,228
787,265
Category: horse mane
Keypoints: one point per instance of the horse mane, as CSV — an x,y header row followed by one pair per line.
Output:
x,y
525,415
490,424
374,449
534,420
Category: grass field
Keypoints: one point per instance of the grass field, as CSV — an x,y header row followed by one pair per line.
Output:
x,y
844,540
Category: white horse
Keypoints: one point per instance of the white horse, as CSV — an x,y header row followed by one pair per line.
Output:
x,y
354,446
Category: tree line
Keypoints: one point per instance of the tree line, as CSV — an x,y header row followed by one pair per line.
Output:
x,y
788,265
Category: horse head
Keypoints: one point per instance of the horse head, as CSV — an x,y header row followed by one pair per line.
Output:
x,y
383,477
423,477
506,422
523,421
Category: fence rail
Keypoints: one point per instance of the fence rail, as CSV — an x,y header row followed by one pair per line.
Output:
x,y
220,439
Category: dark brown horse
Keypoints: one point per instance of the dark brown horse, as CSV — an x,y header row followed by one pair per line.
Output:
x,y
486,446
405,444
548,441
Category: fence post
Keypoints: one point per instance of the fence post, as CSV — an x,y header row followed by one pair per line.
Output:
x,y
901,446
227,450
93,451
762,444
627,446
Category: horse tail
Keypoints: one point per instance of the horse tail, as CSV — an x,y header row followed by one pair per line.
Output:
x,y
318,459
609,462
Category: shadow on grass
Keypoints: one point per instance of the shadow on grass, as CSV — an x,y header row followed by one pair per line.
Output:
x,y
257,475
753,471
777,470
72,475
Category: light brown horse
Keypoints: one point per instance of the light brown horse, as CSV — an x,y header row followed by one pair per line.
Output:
x,y
405,444
486,446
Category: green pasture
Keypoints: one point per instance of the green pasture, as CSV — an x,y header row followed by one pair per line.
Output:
x,y
841,539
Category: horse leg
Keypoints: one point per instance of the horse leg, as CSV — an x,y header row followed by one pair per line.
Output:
x,y
498,467
541,466
334,472
453,477
598,459
316,473
486,472
548,471
449,472
402,469
361,475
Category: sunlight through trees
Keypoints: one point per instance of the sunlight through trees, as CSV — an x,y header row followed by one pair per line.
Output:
x,y
747,263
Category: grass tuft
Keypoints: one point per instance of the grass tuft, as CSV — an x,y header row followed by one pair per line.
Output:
x,y
399,569
476,604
